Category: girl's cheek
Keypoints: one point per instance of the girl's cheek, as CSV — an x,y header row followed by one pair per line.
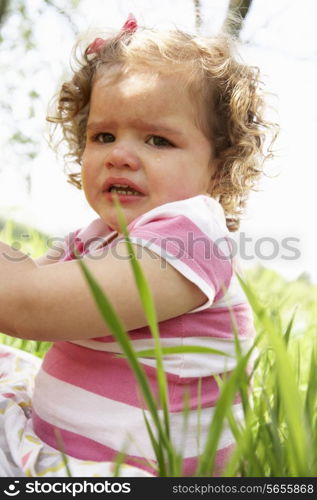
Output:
x,y
86,175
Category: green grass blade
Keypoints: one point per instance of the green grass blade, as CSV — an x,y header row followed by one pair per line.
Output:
x,y
149,353
149,309
228,391
156,447
288,390
199,407
61,449
289,327
115,326
119,460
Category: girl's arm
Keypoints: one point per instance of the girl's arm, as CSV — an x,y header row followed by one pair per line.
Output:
x,y
53,302
11,263
53,255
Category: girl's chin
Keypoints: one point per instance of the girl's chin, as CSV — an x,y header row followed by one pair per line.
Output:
x,y
112,220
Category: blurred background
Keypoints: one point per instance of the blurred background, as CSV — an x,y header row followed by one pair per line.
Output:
x,y
36,39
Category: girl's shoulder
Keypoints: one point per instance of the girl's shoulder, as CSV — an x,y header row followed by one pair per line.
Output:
x,y
201,210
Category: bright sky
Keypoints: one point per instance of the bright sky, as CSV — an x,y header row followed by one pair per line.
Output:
x,y
280,39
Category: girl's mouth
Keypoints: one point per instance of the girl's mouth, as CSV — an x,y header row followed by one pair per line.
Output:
x,y
124,196
124,190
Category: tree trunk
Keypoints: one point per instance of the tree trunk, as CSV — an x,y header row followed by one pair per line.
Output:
x,y
4,5
237,12
197,6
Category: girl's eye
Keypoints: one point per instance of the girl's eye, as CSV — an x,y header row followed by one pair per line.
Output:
x,y
104,137
156,140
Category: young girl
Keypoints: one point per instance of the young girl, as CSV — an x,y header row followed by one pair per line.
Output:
x,y
172,123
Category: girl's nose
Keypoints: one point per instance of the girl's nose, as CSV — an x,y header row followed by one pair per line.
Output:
x,y
122,156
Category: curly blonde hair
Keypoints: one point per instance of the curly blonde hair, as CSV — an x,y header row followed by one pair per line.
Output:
x,y
228,92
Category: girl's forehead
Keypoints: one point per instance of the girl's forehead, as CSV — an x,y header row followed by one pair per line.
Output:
x,y
146,89
131,81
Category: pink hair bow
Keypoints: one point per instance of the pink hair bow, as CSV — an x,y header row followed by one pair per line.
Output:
x,y
130,26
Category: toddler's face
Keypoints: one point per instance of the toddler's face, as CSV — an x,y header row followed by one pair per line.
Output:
x,y
142,132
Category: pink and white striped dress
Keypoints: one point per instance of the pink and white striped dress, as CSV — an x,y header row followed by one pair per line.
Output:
x,y
91,396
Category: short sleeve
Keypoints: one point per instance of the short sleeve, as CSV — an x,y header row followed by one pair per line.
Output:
x,y
190,235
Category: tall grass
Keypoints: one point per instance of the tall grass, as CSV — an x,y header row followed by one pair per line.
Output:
x,y
278,433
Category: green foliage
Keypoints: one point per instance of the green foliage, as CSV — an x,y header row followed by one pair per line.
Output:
x,y
277,436
32,243
23,62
